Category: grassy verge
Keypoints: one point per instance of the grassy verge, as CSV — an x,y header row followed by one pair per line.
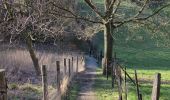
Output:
x,y
104,90
25,91
75,88
147,61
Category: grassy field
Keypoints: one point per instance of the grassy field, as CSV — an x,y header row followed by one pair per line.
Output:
x,y
104,90
23,84
145,56
139,48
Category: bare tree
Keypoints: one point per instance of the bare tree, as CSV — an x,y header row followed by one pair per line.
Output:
x,y
110,19
28,19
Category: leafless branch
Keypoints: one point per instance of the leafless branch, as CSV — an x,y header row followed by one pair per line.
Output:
x,y
91,5
117,6
54,14
142,9
136,19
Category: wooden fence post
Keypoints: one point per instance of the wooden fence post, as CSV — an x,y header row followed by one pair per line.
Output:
x,y
98,57
113,70
140,96
101,55
3,85
65,66
77,69
44,82
137,87
125,84
107,68
90,51
156,87
72,64
58,74
112,74
103,65
69,72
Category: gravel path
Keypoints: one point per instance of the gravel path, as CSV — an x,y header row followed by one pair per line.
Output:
x,y
86,80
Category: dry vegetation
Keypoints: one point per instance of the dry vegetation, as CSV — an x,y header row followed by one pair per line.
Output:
x,y
22,80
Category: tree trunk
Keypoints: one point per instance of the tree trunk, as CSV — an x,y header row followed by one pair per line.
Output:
x,y
108,40
32,54
108,45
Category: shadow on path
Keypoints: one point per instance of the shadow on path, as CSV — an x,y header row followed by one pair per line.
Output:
x,y
87,79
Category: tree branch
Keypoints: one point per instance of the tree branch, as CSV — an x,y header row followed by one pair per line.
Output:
x,y
136,19
142,9
74,17
117,6
91,5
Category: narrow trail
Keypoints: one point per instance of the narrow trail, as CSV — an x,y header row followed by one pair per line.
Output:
x,y
87,80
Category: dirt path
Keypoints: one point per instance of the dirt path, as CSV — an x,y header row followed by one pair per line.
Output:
x,y
86,80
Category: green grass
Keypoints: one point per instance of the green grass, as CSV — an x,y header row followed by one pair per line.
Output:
x,y
144,56
147,62
104,90
75,88
148,55
27,91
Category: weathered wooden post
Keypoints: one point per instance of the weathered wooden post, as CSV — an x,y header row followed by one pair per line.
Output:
x,y
140,96
65,66
77,65
72,64
156,87
58,74
69,72
137,87
101,55
82,57
107,68
112,76
118,78
3,85
44,82
103,66
113,70
90,51
98,57
58,79
125,84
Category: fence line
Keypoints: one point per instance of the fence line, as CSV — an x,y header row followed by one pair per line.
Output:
x,y
63,78
115,66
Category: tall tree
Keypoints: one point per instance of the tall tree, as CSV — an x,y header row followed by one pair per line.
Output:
x,y
28,20
111,21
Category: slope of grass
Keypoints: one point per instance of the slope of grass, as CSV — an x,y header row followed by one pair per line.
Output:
x,y
146,57
147,61
104,90
139,48
137,45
